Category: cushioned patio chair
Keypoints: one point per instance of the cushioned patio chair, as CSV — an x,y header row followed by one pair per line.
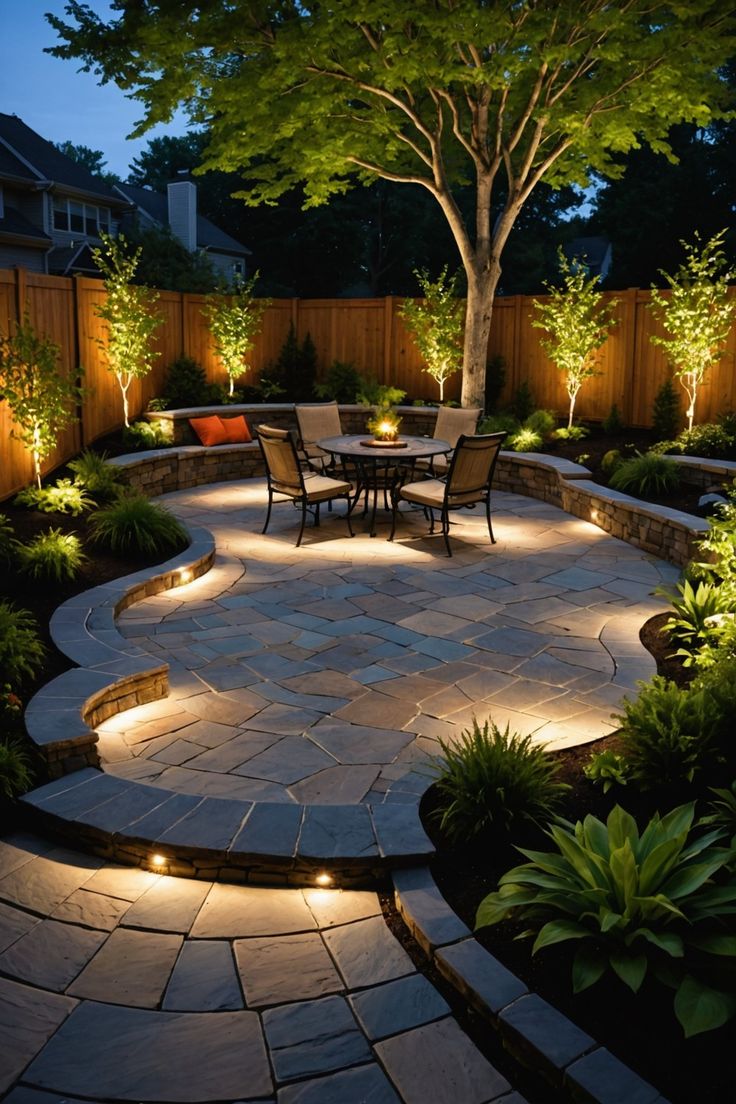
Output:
x,y
286,477
317,420
451,422
468,482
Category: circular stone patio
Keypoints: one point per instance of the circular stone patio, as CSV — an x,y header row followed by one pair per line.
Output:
x,y
327,674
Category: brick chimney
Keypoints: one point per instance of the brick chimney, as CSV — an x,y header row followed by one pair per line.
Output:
x,y
182,197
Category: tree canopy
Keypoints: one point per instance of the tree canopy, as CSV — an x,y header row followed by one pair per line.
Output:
x,y
443,95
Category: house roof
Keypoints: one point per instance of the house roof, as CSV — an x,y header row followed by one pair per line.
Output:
x,y
67,259
156,205
15,225
27,154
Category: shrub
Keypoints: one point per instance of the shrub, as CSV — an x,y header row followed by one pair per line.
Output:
x,y
491,781
540,421
495,380
499,423
21,650
709,439
669,733
91,471
342,382
15,768
666,417
63,497
571,433
610,461
186,384
7,542
146,435
719,544
525,440
133,525
613,423
52,556
646,473
635,904
522,404
606,768
722,811
295,369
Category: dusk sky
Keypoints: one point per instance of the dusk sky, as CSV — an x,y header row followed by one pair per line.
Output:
x,y
54,99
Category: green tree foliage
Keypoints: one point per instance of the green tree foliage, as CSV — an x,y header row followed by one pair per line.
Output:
x,y
128,313
697,314
436,324
234,322
93,160
454,94
165,263
577,325
42,397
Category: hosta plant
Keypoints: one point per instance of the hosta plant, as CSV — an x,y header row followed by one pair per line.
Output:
x,y
646,473
52,556
606,769
133,525
62,497
658,903
491,781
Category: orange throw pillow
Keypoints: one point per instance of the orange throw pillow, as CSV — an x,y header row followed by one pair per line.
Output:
x,y
209,430
236,430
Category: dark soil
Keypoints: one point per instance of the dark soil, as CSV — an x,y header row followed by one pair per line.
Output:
x,y
640,1029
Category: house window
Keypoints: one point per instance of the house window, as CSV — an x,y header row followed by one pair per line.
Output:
x,y
61,214
76,217
80,218
238,269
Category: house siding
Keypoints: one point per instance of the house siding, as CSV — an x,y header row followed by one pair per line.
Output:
x,y
32,259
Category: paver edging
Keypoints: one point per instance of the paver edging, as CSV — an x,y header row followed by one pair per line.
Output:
x,y
111,676
538,1035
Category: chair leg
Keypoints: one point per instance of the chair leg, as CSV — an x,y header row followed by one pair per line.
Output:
x,y
394,512
431,518
304,521
488,519
446,531
316,515
268,511
347,514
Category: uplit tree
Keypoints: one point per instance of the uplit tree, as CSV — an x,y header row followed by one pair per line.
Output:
x,y
234,322
42,397
576,323
443,95
436,323
129,316
697,314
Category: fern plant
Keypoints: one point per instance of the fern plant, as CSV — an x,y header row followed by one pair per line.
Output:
x,y
7,541
52,556
21,650
62,497
91,471
644,474
635,904
695,609
133,525
15,768
491,781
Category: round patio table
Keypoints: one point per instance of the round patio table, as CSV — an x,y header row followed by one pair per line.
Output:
x,y
374,462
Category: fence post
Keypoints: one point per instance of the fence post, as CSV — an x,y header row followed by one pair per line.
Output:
x,y
630,322
388,336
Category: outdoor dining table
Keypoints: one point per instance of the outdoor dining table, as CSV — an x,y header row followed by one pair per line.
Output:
x,y
374,461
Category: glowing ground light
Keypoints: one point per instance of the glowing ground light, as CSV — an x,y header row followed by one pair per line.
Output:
x,y
158,862
323,880
185,575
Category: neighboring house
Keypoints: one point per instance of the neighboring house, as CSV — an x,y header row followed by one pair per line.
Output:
x,y
177,210
51,208
595,252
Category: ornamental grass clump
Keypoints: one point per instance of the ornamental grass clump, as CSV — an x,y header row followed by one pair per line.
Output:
x,y
99,479
646,473
135,526
490,782
52,557
657,904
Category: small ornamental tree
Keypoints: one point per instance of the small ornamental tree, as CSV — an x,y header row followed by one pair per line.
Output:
x,y
577,325
128,313
41,396
234,321
697,314
438,326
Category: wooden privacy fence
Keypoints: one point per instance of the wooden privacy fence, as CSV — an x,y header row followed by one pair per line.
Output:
x,y
369,333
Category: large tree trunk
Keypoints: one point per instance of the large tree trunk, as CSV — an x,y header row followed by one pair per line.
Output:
x,y
481,291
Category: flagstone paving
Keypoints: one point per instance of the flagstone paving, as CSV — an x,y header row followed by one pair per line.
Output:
x,y
148,988
327,674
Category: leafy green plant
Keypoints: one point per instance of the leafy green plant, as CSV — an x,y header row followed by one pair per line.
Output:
x,y
185,385
99,478
133,525
577,324
146,435
21,650
694,608
697,315
636,904
708,440
610,461
295,369
522,403
666,411
718,546
525,440
722,811
670,733
234,322
341,382
492,781
499,423
16,775
607,768
438,325
128,314
646,473
42,397
52,556
613,423
540,421
571,433
62,497
7,541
